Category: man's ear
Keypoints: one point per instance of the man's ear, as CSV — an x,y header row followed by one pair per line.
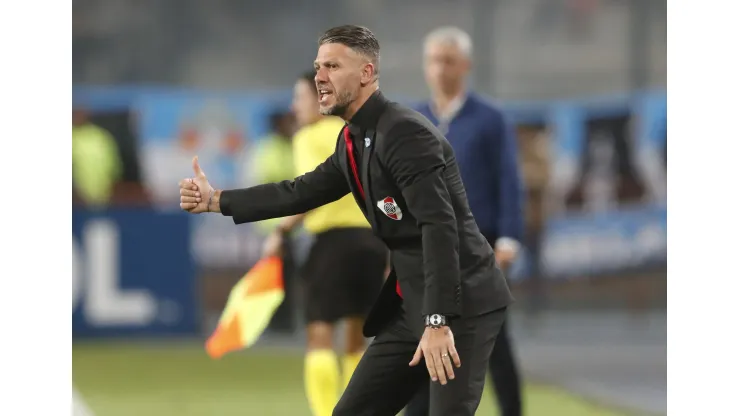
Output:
x,y
368,74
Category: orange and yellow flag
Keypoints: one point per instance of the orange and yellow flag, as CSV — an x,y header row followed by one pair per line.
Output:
x,y
251,304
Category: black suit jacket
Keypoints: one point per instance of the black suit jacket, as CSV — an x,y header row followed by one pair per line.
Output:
x,y
415,202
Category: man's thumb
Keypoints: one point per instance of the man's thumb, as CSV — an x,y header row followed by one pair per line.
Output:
x,y
417,357
196,167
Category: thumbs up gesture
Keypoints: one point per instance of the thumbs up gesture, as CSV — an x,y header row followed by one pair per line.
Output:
x,y
195,192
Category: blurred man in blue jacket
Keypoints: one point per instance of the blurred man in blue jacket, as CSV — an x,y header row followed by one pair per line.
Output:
x,y
486,151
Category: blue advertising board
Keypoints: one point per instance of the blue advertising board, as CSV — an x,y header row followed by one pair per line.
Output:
x,y
133,274
586,244
605,160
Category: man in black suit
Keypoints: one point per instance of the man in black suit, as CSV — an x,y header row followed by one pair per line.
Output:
x,y
403,175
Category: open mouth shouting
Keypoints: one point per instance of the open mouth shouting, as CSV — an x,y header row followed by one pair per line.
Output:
x,y
325,94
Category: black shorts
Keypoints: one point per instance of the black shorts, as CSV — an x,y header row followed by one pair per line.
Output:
x,y
343,274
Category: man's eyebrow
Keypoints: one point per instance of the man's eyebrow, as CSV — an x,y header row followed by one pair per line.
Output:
x,y
326,62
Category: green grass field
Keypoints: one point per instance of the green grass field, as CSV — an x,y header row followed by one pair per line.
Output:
x,y
146,380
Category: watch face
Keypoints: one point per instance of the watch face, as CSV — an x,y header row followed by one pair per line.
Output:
x,y
435,320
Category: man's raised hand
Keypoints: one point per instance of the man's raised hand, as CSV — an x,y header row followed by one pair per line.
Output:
x,y
195,192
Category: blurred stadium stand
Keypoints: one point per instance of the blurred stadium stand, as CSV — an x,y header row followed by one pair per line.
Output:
x,y
528,49
583,81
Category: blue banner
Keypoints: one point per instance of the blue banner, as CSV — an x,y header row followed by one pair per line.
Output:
x,y
583,245
591,166
133,274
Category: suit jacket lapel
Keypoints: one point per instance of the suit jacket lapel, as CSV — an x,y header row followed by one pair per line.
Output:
x,y
344,160
369,144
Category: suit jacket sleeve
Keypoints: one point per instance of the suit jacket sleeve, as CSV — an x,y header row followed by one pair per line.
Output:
x,y
414,156
503,145
323,185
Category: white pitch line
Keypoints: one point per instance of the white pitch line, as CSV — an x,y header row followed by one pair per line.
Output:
x,y
79,407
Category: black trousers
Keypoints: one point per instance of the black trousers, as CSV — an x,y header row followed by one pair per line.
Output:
x,y
383,382
504,373
505,377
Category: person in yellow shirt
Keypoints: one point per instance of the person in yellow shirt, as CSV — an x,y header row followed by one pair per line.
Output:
x,y
272,159
96,162
346,264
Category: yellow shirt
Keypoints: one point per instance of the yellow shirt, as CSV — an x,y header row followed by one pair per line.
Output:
x,y
96,164
312,145
272,163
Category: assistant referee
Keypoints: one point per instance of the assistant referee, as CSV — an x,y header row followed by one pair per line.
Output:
x,y
346,264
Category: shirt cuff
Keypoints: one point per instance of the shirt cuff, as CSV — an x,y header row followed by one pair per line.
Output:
x,y
507,243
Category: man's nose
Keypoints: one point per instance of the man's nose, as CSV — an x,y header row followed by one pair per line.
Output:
x,y
321,75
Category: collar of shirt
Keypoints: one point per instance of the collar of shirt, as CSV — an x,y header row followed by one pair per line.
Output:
x,y
453,108
366,118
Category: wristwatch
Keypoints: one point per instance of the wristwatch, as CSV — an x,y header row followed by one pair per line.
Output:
x,y
435,321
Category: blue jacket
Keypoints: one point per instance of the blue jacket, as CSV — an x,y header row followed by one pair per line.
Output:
x,y
486,150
